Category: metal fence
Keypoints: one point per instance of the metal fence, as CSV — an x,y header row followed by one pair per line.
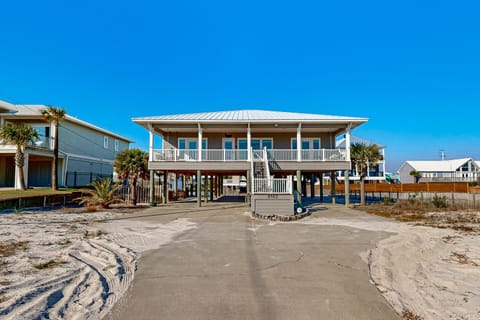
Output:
x,y
143,193
82,179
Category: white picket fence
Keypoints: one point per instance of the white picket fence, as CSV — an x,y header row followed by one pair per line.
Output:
x,y
272,185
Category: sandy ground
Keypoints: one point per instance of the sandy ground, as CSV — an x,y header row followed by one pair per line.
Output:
x,y
429,272
67,266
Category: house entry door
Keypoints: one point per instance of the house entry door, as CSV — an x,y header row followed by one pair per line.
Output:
x,y
228,146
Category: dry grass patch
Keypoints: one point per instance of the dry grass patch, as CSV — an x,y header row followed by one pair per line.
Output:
x,y
409,315
426,214
9,248
462,258
48,264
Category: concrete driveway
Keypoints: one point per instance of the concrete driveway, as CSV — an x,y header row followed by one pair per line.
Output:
x,y
232,267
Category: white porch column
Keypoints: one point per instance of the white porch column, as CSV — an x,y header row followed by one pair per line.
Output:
x,y
299,142
249,142
199,142
383,164
151,145
347,140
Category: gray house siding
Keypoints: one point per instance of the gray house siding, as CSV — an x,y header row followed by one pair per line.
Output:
x,y
404,172
87,155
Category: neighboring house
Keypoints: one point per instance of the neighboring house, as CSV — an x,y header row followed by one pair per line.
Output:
x,y
375,172
85,150
455,170
257,144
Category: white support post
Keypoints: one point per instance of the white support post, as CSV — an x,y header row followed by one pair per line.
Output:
x,y
347,140
299,142
199,142
249,142
151,145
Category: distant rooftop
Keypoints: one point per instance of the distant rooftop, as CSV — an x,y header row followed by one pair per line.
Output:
x,y
247,116
439,165
35,111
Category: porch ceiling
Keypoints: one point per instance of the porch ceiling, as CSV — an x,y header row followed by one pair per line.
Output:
x,y
239,128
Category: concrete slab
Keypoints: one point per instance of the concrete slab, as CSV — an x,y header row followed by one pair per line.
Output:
x,y
232,267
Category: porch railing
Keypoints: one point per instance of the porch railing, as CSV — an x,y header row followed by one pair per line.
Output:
x,y
272,185
242,155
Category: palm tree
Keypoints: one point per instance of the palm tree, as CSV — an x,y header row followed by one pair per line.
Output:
x,y
362,157
102,193
20,135
416,175
132,164
54,115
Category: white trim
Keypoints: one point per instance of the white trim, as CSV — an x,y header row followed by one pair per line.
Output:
x,y
234,146
249,142
105,142
78,156
299,142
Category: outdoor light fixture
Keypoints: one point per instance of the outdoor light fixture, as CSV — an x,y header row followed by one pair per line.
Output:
x,y
276,125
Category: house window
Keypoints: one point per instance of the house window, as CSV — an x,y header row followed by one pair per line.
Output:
x,y
117,145
307,143
105,142
257,144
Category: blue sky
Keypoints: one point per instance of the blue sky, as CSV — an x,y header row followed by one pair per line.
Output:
x,y
411,67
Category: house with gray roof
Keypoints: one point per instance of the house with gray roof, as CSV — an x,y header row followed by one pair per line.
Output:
x,y
454,170
86,151
267,147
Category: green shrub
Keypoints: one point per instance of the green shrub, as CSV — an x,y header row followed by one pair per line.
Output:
x,y
439,201
387,201
102,194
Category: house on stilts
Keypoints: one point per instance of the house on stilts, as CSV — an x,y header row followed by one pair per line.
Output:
x,y
272,149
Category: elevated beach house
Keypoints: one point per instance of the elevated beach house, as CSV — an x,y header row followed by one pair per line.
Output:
x,y
86,151
269,148
453,170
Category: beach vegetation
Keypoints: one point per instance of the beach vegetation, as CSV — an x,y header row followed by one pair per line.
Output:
x,y
102,193
53,115
132,164
364,156
48,264
20,135
416,175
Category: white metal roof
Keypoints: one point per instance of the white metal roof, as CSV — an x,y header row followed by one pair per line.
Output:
x,y
248,116
35,111
438,165
6,106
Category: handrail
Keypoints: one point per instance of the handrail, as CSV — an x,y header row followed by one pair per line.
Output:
x,y
252,175
267,167
227,155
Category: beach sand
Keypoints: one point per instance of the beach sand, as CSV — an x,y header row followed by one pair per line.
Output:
x,y
69,266
425,271
73,266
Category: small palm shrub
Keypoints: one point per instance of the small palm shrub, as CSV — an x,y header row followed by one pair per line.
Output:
x,y
102,194
439,201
